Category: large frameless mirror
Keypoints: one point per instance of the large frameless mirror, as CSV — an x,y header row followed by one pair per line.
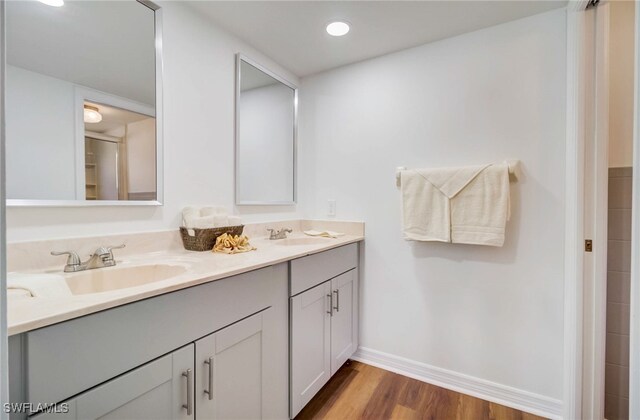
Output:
x,y
266,120
83,103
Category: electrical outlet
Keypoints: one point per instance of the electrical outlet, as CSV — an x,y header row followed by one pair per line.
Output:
x,y
331,211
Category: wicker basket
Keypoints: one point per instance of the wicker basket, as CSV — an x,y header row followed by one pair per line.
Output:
x,y
205,239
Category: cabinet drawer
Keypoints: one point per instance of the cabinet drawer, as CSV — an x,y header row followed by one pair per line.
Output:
x,y
309,271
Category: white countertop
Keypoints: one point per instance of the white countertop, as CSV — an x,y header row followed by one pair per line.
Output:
x,y
25,314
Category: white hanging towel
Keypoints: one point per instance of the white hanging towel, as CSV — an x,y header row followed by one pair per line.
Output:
x,y
468,205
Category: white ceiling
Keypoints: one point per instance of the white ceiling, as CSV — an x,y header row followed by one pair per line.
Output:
x,y
292,33
104,45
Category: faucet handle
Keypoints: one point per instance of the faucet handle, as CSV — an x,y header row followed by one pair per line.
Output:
x,y
106,254
72,260
110,248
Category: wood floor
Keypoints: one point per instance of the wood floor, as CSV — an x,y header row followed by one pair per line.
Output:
x,y
362,391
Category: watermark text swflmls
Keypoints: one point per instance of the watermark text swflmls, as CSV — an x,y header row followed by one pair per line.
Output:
x,y
31,408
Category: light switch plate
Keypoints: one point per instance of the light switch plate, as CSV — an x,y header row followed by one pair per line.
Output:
x,y
331,210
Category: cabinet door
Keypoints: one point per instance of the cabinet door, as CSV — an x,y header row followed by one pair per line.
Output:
x,y
344,318
310,344
230,383
157,390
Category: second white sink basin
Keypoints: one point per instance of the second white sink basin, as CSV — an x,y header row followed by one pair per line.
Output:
x,y
115,278
302,241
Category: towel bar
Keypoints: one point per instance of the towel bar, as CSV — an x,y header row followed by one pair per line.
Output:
x,y
514,170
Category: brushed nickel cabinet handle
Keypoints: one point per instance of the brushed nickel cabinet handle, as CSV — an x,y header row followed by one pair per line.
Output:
x,y
209,392
337,307
189,405
330,311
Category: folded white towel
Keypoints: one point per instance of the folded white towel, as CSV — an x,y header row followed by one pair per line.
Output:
x,y
39,285
207,217
213,211
205,222
467,205
220,221
323,233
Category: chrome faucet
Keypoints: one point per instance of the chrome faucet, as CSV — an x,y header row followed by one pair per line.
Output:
x,y
281,234
102,257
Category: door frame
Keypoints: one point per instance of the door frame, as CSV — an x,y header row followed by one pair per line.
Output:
x,y
586,210
596,211
634,341
574,204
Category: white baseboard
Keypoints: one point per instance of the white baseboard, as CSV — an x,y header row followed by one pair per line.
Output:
x,y
465,384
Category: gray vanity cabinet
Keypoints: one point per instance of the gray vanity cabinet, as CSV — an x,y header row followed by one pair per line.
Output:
x,y
157,390
230,368
324,320
123,363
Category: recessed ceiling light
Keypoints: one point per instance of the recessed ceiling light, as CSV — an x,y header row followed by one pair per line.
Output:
x,y
54,3
91,114
337,28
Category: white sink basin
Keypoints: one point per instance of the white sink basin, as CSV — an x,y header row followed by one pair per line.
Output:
x,y
115,278
302,241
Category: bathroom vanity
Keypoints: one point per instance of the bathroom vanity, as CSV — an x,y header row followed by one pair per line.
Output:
x,y
233,336
151,330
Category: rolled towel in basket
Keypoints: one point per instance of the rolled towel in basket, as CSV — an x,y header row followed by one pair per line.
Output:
x,y
220,221
213,211
189,214
206,222
207,218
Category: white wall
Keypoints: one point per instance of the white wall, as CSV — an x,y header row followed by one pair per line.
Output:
x,y
621,90
199,90
141,156
495,94
266,146
36,151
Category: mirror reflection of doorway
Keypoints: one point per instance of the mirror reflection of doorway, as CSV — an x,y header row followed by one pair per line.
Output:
x,y
102,169
120,154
